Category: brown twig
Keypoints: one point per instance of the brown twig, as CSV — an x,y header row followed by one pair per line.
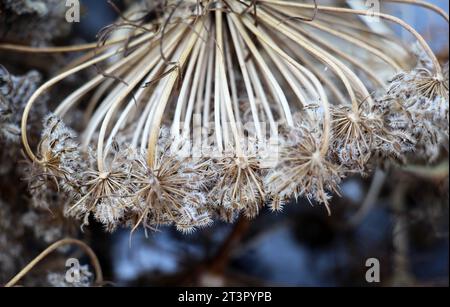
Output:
x,y
219,262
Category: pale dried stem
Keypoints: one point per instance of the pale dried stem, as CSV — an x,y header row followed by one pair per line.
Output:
x,y
56,80
232,76
193,97
208,84
384,16
275,87
324,78
61,49
424,4
224,92
165,95
185,89
122,65
350,59
94,260
245,75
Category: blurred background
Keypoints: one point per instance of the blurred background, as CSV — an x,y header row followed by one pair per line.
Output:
x,y
398,216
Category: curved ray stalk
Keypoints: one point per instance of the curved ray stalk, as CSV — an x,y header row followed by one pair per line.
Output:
x,y
400,22
56,80
165,96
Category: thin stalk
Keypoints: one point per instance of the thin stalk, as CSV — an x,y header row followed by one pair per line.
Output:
x,y
261,95
105,106
134,103
60,49
217,101
424,4
54,81
357,83
145,120
232,76
171,79
388,17
107,102
380,41
350,39
185,89
245,75
220,65
326,108
98,94
274,85
199,70
352,60
318,73
340,69
94,260
209,86
288,76
303,75
148,64
75,96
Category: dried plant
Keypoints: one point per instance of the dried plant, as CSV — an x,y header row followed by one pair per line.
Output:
x,y
198,66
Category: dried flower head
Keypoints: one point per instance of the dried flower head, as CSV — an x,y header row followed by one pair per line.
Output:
x,y
11,247
393,141
171,192
14,93
353,136
419,83
104,194
59,162
304,170
419,103
240,188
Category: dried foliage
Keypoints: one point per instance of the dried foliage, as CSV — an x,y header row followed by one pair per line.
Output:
x,y
32,22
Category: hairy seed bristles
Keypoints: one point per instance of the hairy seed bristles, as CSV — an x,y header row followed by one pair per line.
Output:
x,y
169,193
104,194
276,203
353,137
240,188
432,87
419,83
392,141
420,104
303,170
58,154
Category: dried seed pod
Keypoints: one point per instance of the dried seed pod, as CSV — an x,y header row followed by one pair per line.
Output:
x,y
303,170
240,187
171,192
